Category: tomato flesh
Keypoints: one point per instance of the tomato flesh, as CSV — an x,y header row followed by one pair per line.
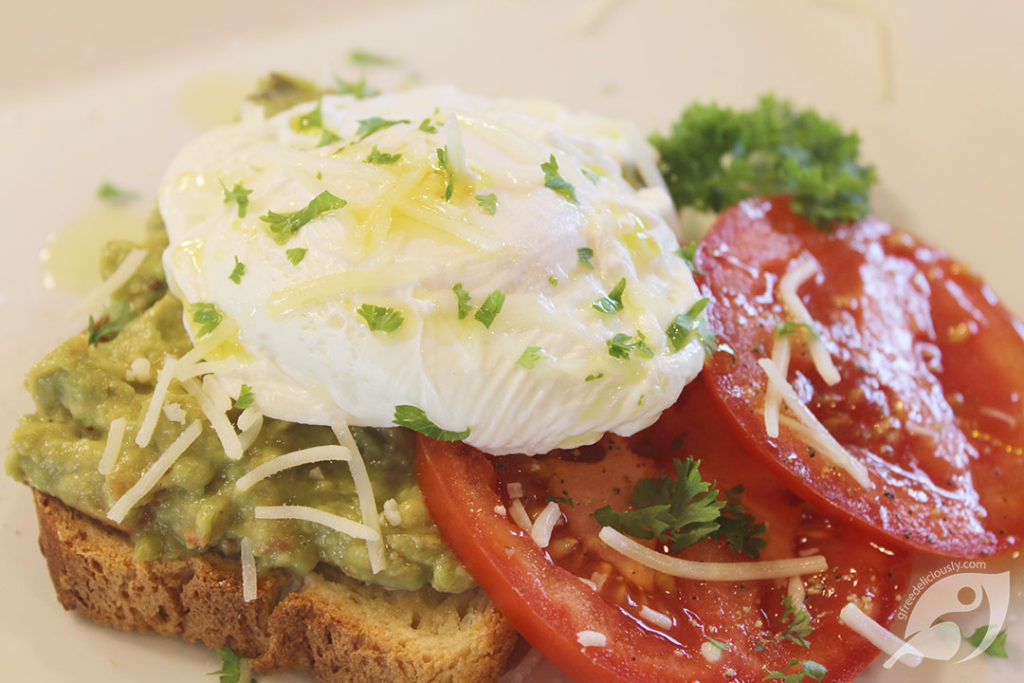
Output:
x,y
540,590
931,366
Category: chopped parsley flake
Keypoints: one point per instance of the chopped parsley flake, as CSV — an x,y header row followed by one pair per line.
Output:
x,y
590,175
119,314
366,58
688,252
552,280
799,623
591,378
554,181
724,647
804,667
997,648
790,327
284,225
446,169
378,157
531,356
488,202
490,308
613,302
685,325
358,89
245,398
416,419
381,318
427,126
207,316
327,136
238,272
560,499
368,127
622,346
296,255
111,193
463,299
239,195
231,666
585,254
312,120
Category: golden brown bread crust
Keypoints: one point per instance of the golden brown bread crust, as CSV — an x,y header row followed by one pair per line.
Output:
x,y
335,629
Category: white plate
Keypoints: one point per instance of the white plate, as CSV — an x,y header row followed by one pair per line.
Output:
x,y
92,95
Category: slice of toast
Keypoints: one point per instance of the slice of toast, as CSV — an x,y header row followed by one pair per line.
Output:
x,y
330,626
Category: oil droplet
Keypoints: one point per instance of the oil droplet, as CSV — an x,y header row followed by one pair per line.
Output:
x,y
213,99
71,257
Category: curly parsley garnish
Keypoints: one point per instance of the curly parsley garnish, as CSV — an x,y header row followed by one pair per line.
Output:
x,y
231,667
381,318
556,182
683,511
368,127
798,625
488,202
237,272
239,195
284,225
585,254
245,398
804,667
416,419
463,299
531,356
612,303
446,169
378,157
118,314
295,255
686,325
688,252
207,316
622,346
490,308
790,327
715,156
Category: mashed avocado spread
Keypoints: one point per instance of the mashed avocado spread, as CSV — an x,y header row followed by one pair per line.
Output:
x,y
86,383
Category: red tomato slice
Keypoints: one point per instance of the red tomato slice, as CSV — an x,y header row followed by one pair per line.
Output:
x,y
541,593
932,369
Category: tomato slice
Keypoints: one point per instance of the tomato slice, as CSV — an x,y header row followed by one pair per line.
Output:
x,y
540,591
931,367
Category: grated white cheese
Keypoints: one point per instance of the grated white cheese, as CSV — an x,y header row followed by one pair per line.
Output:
x,y
218,419
710,652
307,514
248,417
796,592
207,367
218,395
655,618
253,424
139,371
880,637
249,587
831,449
288,460
112,449
204,345
500,510
591,639
364,490
599,578
790,282
121,275
391,512
773,395
545,524
587,582
711,571
175,413
156,401
120,509
518,514
515,490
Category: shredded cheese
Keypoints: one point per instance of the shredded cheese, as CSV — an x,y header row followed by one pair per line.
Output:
x,y
814,430
711,571
139,371
208,366
879,636
253,423
217,394
515,490
120,509
205,345
796,592
391,512
591,639
710,652
248,417
655,618
289,460
500,510
120,276
112,449
175,413
364,491
545,524
156,401
218,420
303,513
518,514
796,276
773,395
249,587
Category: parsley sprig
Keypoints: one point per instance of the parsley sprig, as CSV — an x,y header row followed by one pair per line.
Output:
x,y
284,225
716,156
684,510
554,181
798,623
612,302
416,419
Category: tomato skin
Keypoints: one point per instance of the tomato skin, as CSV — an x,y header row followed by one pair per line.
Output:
x,y
550,605
932,369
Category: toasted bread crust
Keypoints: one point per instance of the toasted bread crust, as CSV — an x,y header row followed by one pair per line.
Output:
x,y
335,629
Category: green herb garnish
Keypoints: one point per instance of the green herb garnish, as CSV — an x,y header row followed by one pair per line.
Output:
x,y
231,667
490,308
556,182
488,202
585,254
207,316
685,325
239,195
799,623
688,252
358,89
590,175
805,667
790,327
312,120
715,156
997,648
327,136
463,299
366,58
724,647
117,315
245,398
381,318
284,225
111,193
678,511
612,303
446,169
622,346
368,127
530,357
295,255
378,157
237,272
591,378
416,419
